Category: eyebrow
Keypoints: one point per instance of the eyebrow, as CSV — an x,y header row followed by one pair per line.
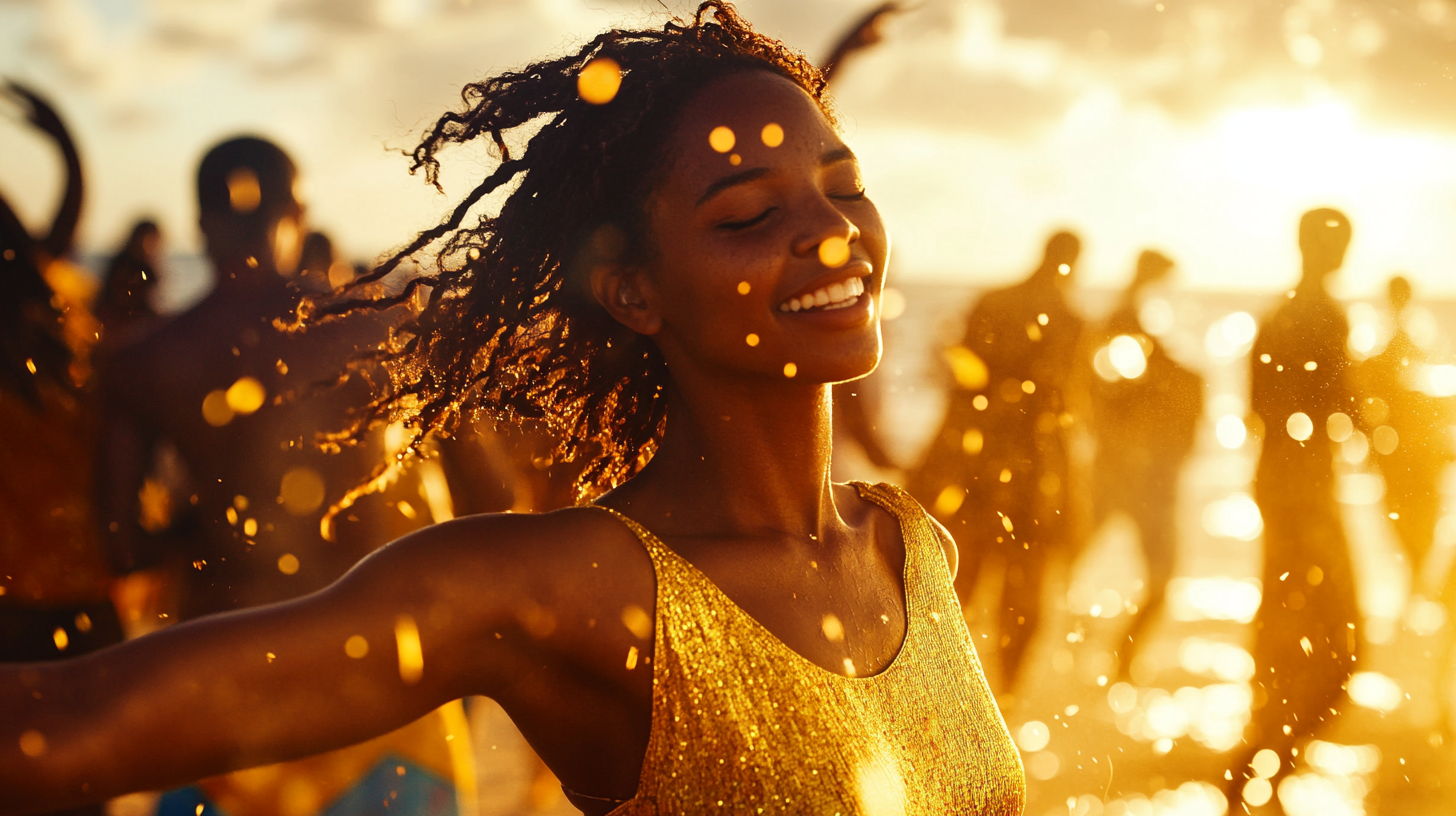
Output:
x,y
834,156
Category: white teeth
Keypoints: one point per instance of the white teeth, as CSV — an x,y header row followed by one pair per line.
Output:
x,y
838,295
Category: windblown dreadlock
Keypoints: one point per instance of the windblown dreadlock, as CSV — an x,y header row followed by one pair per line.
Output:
x,y
509,329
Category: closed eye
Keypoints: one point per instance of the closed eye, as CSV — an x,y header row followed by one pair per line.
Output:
x,y
734,226
857,195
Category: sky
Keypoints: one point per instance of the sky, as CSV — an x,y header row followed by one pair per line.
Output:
x,y
1200,128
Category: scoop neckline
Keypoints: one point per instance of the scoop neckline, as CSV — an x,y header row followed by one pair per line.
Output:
x,y
867,492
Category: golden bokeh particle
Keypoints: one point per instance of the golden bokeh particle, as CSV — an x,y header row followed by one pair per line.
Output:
x,y
631,658
772,135
637,621
33,743
301,491
599,81
751,339
832,628
288,564
722,139
250,527
356,647
245,396
735,160
949,500
244,192
834,252
744,288
790,370
215,408
411,653
61,638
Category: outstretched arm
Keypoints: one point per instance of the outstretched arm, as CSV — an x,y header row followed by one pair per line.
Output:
x,y
404,632
63,227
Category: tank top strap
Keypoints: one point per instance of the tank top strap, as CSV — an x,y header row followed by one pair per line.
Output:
x,y
928,582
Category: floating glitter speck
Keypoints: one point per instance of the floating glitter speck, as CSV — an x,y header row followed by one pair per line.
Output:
x,y
790,370
834,252
735,160
722,139
288,564
244,192
637,621
356,647
772,134
949,500
245,396
751,339
215,408
599,81
832,629
32,743
301,491
411,653
1299,426
61,638
744,288
631,658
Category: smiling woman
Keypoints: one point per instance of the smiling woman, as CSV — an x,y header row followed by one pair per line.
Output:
x,y
685,265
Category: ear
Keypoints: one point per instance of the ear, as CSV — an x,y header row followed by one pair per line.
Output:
x,y
627,295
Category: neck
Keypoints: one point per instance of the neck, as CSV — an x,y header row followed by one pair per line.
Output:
x,y
741,457
234,273
1313,281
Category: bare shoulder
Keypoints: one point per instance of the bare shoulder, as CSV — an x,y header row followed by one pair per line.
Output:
x,y
530,553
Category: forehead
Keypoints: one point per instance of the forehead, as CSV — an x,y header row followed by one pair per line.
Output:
x,y
748,106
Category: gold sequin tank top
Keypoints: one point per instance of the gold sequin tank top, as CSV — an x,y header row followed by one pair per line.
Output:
x,y
743,724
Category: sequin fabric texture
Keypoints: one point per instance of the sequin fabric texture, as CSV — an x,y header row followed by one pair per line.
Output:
x,y
743,724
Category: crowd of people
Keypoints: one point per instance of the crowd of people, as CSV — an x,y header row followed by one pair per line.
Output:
x,y
1030,376
157,469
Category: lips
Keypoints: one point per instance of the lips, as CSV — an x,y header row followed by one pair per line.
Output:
x,y
838,295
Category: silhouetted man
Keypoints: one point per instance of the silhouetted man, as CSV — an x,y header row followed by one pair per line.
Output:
x,y
217,384
1391,384
1307,628
996,473
1145,416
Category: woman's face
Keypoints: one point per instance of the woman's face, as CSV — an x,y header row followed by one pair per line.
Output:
x,y
769,258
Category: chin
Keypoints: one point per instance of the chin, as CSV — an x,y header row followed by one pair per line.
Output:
x,y
846,367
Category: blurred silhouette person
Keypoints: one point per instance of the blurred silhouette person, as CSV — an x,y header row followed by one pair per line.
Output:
x,y
54,582
232,395
1308,626
996,472
1411,437
126,305
319,268
1145,411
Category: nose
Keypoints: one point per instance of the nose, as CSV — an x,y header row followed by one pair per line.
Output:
x,y
821,221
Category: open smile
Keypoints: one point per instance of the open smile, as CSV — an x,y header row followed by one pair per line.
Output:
x,y
838,295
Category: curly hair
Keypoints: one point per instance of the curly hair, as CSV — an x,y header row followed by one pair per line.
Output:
x,y
508,329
